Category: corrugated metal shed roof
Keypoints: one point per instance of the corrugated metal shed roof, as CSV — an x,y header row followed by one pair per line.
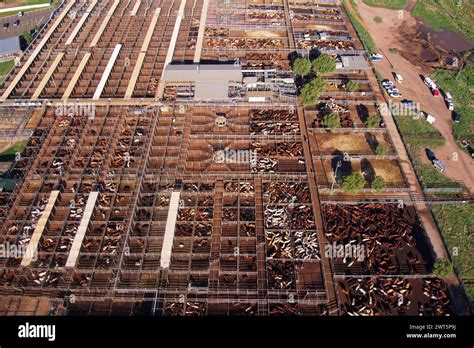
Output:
x,y
10,45
202,72
354,62
207,90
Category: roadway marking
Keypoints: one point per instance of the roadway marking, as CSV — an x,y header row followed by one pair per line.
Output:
x,y
40,226
169,230
47,76
76,76
81,23
82,229
141,55
35,53
202,28
106,74
106,20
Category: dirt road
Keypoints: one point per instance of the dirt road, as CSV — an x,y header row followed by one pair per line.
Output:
x,y
460,166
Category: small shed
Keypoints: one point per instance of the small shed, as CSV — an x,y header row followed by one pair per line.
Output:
x,y
9,46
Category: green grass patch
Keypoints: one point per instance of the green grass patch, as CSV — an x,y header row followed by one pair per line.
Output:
x,y
363,33
11,13
429,176
378,76
417,127
457,228
390,4
25,3
9,154
461,87
30,2
5,68
378,19
469,290
446,14
418,134
432,178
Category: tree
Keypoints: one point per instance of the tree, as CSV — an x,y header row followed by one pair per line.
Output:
x,y
353,183
465,58
27,36
324,64
381,150
378,19
373,121
442,268
378,184
310,91
352,86
302,66
332,121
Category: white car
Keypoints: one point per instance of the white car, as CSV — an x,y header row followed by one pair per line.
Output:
x,y
398,78
431,119
376,57
387,83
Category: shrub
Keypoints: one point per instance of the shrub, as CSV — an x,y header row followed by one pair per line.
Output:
x,y
332,121
442,268
324,64
381,150
353,183
302,66
378,19
378,184
310,91
352,86
373,121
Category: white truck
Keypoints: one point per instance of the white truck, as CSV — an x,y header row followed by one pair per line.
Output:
x,y
429,118
430,83
433,87
448,98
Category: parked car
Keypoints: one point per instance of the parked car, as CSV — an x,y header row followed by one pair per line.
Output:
x,y
470,149
430,83
408,103
21,13
430,154
435,92
6,25
439,165
395,95
387,83
398,78
16,23
456,117
431,119
448,98
465,143
376,57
